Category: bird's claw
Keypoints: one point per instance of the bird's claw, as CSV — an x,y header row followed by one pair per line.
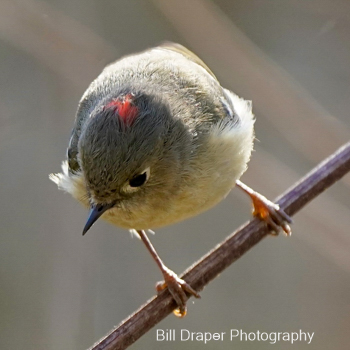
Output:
x,y
265,210
177,288
272,214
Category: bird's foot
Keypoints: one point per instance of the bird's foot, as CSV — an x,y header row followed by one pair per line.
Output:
x,y
177,288
271,213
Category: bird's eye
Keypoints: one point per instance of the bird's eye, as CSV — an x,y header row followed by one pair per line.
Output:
x,y
139,179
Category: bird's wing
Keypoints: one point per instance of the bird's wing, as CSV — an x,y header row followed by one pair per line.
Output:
x,y
187,53
72,154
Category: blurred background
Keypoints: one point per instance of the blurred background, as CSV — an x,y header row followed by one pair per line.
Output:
x,y
62,291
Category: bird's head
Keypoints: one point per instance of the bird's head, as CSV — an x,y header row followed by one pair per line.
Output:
x,y
132,152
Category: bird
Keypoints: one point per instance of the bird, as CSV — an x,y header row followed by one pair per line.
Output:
x,y
157,140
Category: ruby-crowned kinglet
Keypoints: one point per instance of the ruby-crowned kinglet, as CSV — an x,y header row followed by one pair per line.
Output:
x,y
157,140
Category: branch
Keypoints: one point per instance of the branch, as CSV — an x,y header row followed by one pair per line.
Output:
x,y
201,273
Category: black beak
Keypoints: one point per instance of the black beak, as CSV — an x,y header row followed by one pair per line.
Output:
x,y
95,212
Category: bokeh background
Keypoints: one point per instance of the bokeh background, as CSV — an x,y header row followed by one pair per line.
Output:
x,y
62,291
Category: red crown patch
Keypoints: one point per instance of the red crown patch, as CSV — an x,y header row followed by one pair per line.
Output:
x,y
127,111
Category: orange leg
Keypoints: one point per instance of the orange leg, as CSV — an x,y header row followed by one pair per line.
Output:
x,y
177,286
268,211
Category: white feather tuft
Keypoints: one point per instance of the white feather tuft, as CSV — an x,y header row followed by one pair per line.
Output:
x,y
71,183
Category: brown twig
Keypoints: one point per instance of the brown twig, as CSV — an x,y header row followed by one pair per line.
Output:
x,y
202,272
